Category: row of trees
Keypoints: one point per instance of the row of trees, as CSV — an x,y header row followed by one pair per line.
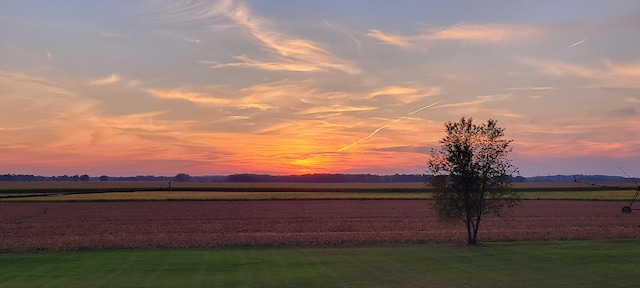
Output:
x,y
183,177
23,177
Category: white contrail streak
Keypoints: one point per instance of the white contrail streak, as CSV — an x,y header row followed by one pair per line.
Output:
x,y
385,126
578,43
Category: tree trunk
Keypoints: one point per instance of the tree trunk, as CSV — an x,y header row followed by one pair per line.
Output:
x,y
472,233
470,239
476,226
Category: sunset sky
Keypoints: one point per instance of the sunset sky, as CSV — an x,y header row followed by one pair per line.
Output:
x,y
162,87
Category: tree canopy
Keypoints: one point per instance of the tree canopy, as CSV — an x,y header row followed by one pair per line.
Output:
x,y
471,174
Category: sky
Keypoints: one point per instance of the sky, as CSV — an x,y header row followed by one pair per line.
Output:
x,y
161,87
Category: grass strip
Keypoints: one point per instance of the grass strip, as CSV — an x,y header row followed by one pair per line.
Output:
x,y
516,264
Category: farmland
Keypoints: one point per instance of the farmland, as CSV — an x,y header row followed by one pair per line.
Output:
x,y
156,191
30,226
312,235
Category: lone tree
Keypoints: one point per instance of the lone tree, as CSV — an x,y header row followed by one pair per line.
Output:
x,y
471,174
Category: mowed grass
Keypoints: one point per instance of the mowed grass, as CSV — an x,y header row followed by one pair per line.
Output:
x,y
515,264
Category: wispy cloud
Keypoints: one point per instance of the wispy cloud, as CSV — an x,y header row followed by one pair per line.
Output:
x,y
262,96
476,107
295,49
293,53
337,109
22,78
477,101
398,40
406,93
284,65
192,40
111,79
607,74
533,88
459,32
632,99
207,100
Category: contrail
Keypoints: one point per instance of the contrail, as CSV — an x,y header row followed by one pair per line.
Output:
x,y
385,126
578,43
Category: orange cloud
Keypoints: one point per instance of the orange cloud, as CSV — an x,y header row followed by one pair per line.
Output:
x,y
406,94
337,109
113,78
392,39
208,100
459,32
284,65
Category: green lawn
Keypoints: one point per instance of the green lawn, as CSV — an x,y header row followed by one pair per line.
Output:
x,y
516,264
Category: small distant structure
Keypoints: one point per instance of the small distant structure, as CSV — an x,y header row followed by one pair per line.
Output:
x,y
625,209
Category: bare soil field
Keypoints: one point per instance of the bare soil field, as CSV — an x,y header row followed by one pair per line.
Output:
x,y
155,224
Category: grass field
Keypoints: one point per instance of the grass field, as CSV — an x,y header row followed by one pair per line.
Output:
x,y
514,264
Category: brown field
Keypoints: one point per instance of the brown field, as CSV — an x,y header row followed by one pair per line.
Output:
x,y
155,224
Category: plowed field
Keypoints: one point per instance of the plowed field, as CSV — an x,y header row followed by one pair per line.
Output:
x,y
90,225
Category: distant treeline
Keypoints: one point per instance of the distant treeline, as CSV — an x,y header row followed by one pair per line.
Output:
x,y
306,178
580,178
183,177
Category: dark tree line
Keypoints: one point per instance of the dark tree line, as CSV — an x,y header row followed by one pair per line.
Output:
x,y
23,177
327,178
308,178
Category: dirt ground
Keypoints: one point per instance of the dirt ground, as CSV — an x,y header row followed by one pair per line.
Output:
x,y
155,224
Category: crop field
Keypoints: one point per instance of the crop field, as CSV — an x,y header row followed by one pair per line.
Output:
x,y
29,226
156,191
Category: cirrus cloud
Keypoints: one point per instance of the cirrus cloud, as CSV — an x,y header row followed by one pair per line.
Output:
x,y
459,32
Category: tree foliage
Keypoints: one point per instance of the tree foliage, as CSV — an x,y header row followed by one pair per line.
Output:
x,y
182,177
471,174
